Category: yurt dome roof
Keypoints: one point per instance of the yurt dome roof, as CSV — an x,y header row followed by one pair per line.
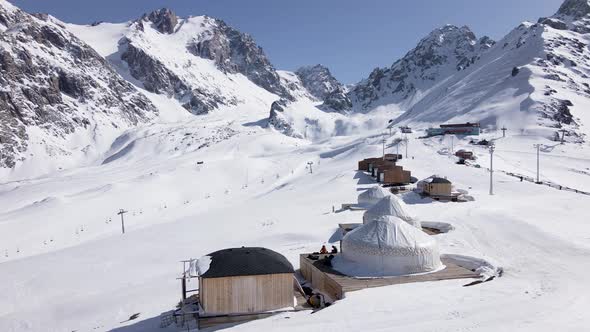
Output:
x,y
389,206
246,262
372,195
388,246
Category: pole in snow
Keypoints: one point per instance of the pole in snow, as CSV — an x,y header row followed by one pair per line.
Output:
x,y
452,145
407,143
384,140
121,213
538,146
492,148
563,135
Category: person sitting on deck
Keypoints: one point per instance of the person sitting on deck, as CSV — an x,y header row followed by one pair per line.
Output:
x,y
323,251
334,250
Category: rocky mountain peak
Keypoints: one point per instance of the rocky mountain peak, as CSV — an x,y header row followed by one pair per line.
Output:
x,y
441,53
575,8
164,20
318,80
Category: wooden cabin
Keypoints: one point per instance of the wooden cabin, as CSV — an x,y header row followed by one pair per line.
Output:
x,y
438,187
246,281
364,164
464,154
379,168
396,176
376,165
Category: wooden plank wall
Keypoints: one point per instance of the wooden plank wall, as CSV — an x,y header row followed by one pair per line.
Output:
x,y
246,294
320,280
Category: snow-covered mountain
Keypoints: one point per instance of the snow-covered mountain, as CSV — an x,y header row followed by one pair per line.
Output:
x,y
535,78
200,61
441,54
57,95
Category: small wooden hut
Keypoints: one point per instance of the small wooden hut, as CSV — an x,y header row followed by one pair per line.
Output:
x,y
464,154
376,165
396,176
381,167
439,187
246,281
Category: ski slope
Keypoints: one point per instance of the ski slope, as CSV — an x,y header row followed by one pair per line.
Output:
x,y
66,265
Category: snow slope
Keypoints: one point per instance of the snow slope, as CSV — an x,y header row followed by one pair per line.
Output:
x,y
255,183
196,184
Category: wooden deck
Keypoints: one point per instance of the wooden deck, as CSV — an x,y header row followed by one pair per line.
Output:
x,y
336,284
350,226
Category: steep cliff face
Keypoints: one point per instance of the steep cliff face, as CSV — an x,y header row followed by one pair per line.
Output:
x,y
324,87
441,54
318,80
236,52
53,85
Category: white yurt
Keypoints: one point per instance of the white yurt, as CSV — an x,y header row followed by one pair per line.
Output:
x,y
390,206
371,196
387,246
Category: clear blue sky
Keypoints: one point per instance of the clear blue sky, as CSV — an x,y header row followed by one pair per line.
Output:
x,y
350,37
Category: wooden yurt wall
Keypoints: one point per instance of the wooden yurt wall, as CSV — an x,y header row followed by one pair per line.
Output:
x,y
246,294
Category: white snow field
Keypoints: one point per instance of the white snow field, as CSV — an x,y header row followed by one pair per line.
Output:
x,y
196,184
65,265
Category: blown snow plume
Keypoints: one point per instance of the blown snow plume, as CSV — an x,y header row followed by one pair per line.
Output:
x,y
53,85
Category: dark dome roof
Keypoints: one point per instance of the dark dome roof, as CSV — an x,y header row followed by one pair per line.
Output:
x,y
440,180
246,262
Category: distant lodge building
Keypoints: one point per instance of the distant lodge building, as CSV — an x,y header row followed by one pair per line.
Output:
x,y
405,129
246,281
468,128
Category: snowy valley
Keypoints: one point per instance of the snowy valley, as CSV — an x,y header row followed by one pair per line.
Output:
x,y
185,124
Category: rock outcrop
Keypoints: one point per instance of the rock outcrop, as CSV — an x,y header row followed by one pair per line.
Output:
x,y
164,20
277,120
320,83
236,52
